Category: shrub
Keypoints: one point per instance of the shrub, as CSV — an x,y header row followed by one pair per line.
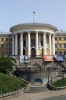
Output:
x,y
5,64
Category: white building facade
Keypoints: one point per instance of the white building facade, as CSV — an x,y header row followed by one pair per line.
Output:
x,y
34,39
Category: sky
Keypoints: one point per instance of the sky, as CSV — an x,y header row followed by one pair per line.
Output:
x,y
13,12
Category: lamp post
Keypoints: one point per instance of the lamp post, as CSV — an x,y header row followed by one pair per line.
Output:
x,y
51,79
29,73
48,72
63,72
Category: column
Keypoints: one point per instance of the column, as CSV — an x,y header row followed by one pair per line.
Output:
x,y
39,41
29,43
49,43
21,44
36,43
53,45
16,44
44,43
26,40
12,44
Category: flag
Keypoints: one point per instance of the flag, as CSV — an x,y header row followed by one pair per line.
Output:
x,y
34,12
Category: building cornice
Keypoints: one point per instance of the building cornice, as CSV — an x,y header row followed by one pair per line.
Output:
x,y
34,24
22,31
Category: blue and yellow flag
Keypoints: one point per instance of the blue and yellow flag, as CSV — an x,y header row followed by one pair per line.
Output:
x,y
34,12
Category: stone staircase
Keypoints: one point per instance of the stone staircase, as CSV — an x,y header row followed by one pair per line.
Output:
x,y
35,89
60,74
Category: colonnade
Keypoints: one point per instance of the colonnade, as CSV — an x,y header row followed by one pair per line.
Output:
x,y
28,43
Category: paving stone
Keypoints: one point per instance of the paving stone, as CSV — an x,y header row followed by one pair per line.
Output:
x,y
57,98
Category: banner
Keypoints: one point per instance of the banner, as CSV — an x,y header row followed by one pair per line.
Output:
x,y
48,58
58,58
24,58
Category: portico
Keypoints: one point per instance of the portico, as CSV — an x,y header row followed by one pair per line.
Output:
x,y
32,38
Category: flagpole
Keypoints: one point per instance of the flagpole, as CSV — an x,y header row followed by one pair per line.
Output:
x,y
33,17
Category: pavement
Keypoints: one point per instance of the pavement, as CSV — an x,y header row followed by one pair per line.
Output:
x,y
40,96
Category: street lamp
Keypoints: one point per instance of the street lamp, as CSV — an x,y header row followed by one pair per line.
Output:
x,y
51,79
29,73
63,72
48,72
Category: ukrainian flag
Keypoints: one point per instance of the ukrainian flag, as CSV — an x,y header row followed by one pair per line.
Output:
x,y
34,12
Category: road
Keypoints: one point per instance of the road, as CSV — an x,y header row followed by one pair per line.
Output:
x,y
42,95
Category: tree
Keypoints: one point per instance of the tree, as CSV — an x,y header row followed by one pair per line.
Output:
x,y
5,64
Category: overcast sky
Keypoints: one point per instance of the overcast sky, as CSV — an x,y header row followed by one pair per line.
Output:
x,y
14,12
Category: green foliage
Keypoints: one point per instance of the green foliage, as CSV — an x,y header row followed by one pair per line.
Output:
x,y
9,84
5,64
60,83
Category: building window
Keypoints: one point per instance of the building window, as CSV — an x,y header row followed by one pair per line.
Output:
x,y
32,42
41,42
60,46
55,45
2,39
6,46
64,38
2,46
55,52
10,53
24,44
10,45
64,45
55,38
64,52
6,53
60,53
59,38
6,39
10,39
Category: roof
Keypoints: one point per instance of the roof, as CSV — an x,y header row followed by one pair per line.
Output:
x,y
5,33
40,24
60,32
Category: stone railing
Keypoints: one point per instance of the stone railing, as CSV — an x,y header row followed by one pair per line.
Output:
x,y
18,78
51,87
13,94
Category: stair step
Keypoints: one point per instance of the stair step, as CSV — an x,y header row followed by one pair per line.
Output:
x,y
37,89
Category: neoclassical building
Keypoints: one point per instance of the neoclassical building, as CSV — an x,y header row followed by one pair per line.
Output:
x,y
60,43
34,39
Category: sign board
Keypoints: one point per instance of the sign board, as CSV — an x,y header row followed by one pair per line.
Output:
x,y
48,58
58,58
24,58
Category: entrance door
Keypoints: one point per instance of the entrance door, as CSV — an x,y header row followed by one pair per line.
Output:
x,y
23,51
33,52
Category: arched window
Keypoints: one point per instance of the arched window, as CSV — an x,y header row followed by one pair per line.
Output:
x,y
41,42
60,53
33,42
55,52
33,52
